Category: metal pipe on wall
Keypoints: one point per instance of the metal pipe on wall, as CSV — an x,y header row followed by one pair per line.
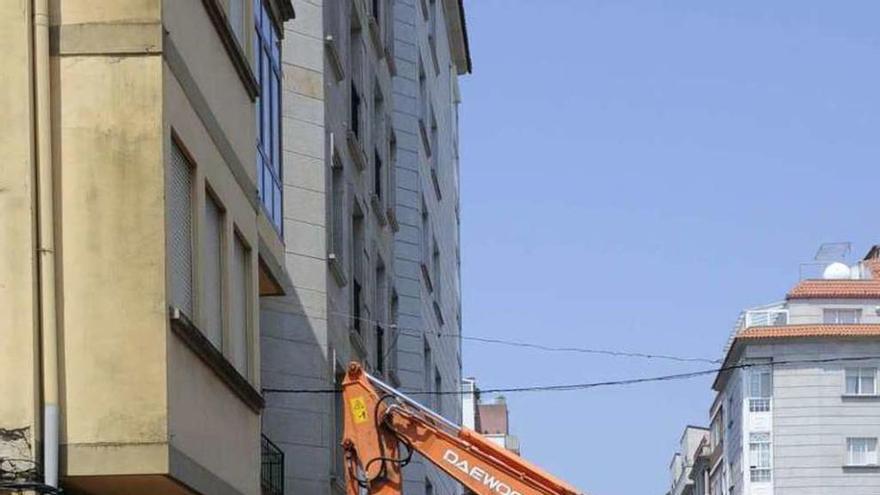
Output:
x,y
46,248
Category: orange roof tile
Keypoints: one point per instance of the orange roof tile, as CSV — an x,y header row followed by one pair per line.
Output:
x,y
836,289
814,330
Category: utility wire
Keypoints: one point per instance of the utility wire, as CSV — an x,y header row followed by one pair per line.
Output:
x,y
418,332
589,385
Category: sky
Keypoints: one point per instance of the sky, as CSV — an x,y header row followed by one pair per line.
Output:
x,y
634,173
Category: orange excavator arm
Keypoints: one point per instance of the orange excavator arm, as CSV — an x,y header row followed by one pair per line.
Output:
x,y
383,428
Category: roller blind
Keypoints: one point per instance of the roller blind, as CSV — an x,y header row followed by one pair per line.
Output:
x,y
180,230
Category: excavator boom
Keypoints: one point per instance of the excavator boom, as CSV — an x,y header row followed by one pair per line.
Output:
x,y
383,427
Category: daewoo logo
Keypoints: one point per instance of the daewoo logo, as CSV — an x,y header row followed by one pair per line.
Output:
x,y
479,474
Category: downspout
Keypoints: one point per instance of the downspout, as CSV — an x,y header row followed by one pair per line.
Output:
x,y
46,249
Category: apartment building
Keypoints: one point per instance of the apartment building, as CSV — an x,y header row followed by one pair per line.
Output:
x,y
685,459
431,52
140,228
350,137
797,412
339,219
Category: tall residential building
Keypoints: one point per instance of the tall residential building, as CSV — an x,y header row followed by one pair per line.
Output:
x,y
140,228
431,52
350,137
682,464
339,222
798,412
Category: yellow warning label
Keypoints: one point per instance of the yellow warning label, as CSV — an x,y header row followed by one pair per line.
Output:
x,y
358,409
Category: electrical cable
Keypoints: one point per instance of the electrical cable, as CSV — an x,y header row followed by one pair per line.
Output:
x,y
418,332
589,385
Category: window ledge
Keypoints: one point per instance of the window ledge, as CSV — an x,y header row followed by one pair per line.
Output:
x,y
426,274
378,210
439,313
356,150
861,467
335,59
337,269
436,182
184,328
861,397
426,142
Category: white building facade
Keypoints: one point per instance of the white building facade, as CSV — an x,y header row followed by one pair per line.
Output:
x,y
799,412
430,53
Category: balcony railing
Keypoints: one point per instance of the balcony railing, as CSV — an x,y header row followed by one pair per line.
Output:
x,y
766,317
272,475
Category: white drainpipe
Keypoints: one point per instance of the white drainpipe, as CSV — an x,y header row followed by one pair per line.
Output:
x,y
46,250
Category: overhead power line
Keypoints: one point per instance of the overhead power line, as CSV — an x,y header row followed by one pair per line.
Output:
x,y
418,332
589,385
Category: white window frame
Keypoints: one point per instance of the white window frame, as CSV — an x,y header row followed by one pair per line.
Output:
x,y
870,452
861,372
832,316
760,468
760,401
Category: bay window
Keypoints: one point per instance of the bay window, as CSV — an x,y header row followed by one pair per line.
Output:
x,y
267,65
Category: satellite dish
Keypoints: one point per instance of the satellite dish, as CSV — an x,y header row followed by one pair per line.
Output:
x,y
836,271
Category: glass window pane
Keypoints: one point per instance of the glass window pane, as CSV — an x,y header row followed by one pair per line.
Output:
x,y
867,385
276,124
266,101
852,383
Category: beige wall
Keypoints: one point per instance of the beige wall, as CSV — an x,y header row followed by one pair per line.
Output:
x,y
17,237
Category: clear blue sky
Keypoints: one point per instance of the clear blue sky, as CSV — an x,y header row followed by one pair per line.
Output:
x,y
633,174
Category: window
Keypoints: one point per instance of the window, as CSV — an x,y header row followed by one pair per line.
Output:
x,y
239,309
338,214
213,271
427,372
437,403
357,268
861,381
760,389
392,344
267,59
355,111
356,49
842,316
427,249
429,488
379,305
436,267
377,175
861,451
716,434
180,230
759,457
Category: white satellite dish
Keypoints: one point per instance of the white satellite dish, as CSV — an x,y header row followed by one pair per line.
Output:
x,y
836,271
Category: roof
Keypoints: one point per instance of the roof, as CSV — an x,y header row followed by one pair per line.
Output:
x,y
840,289
813,330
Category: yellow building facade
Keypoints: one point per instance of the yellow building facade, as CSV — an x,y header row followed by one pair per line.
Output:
x,y
140,223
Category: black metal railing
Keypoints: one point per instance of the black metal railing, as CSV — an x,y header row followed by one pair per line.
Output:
x,y
272,472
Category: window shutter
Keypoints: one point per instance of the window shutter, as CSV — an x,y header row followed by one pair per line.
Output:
x,y
180,231
239,278
213,266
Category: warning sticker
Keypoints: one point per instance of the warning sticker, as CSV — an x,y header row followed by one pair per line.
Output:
x,y
358,410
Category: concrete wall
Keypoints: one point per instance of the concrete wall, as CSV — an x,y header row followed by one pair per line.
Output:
x,y
419,324
295,341
18,286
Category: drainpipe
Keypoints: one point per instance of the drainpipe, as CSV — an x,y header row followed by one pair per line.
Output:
x,y
46,250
